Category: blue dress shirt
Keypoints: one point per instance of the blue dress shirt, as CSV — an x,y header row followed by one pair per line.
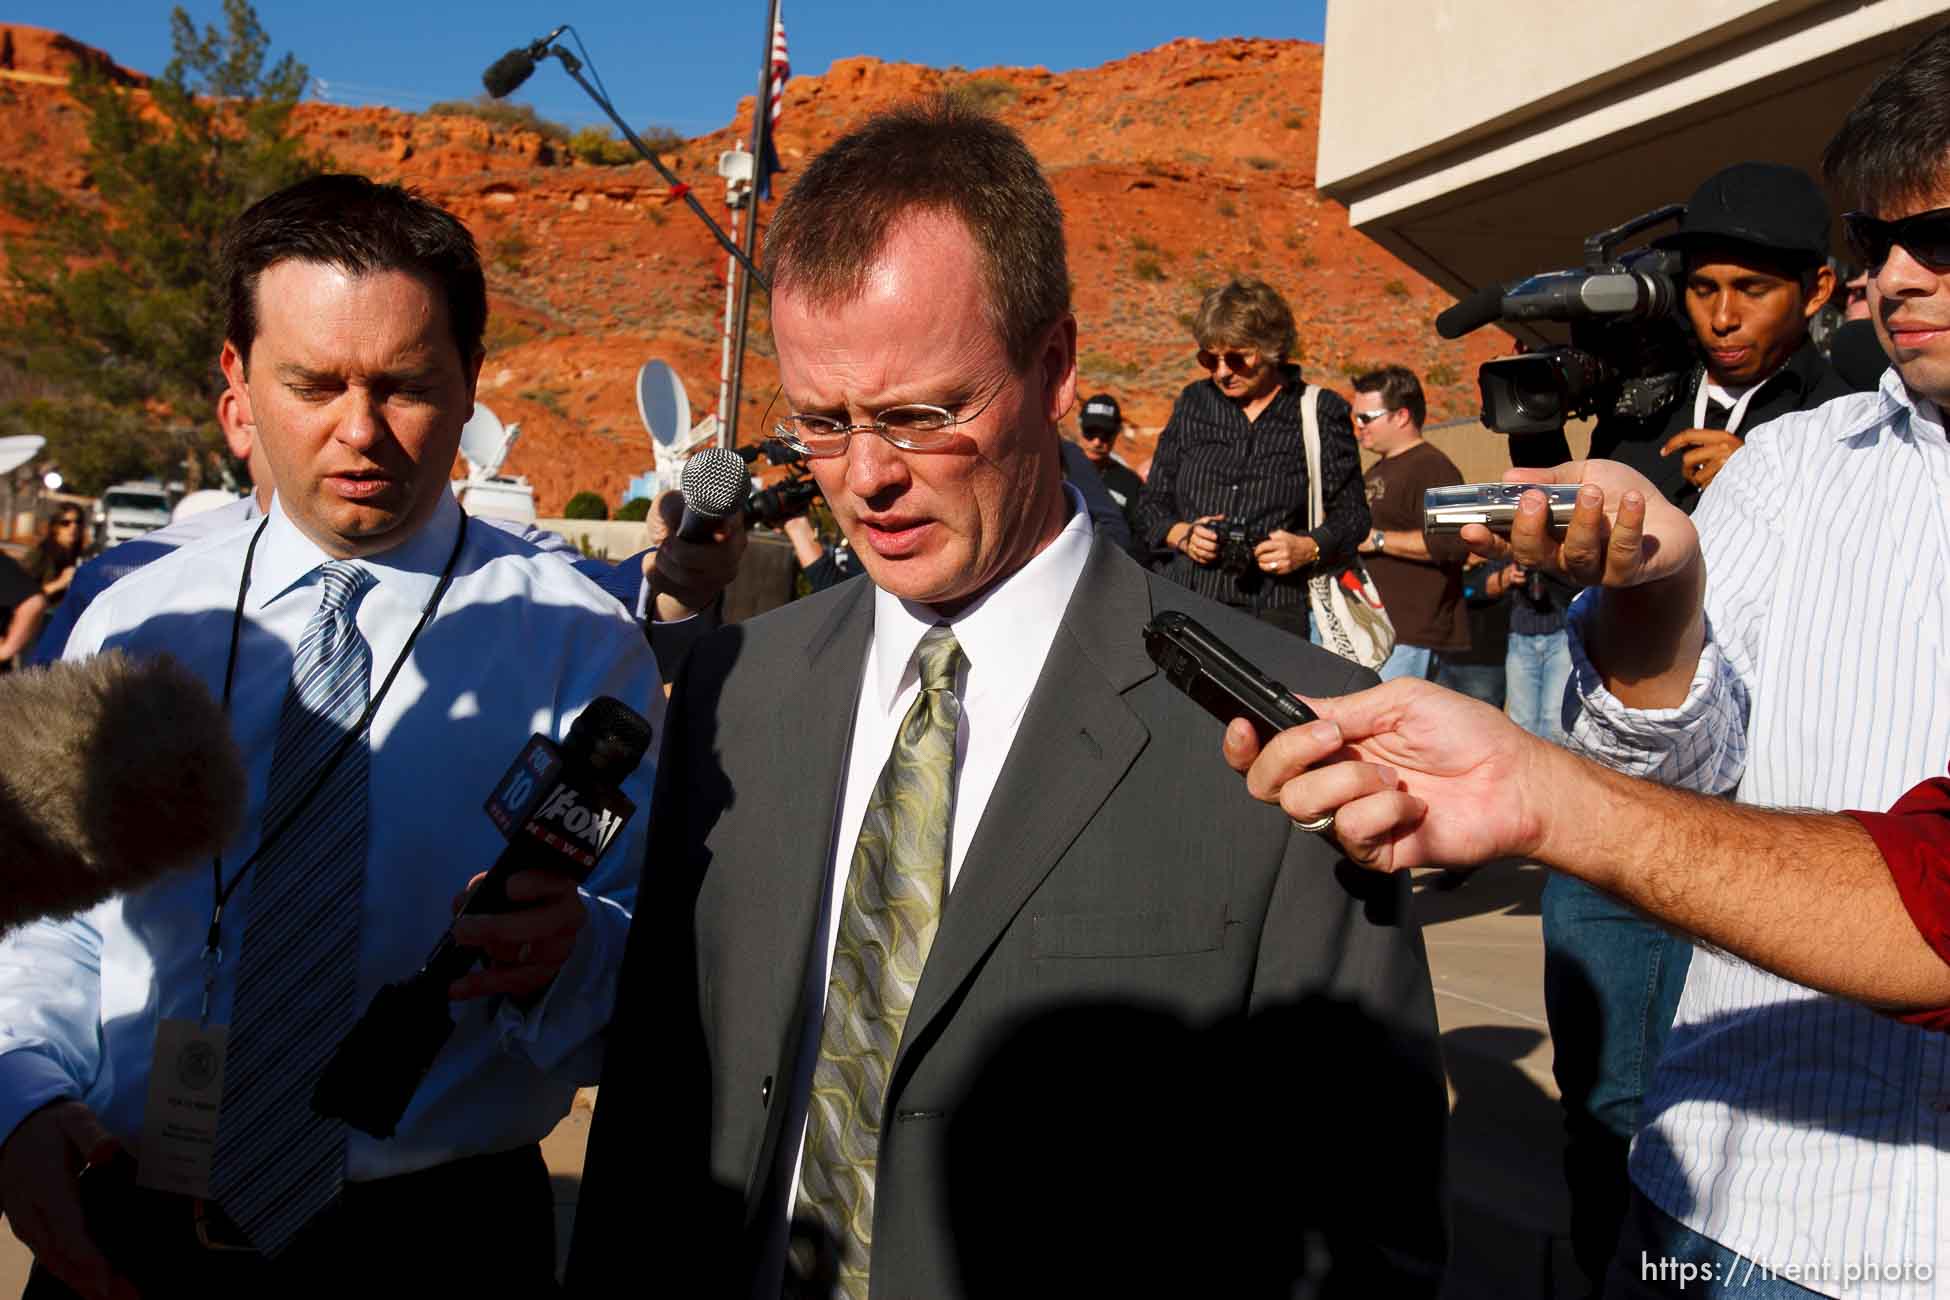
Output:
x,y
520,644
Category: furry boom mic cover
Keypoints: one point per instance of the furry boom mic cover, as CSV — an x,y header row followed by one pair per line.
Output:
x,y
112,772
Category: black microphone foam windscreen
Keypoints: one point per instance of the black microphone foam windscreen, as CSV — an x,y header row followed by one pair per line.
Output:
x,y
1478,309
113,772
508,72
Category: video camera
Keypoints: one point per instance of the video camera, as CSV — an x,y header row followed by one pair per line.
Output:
x,y
1631,349
786,499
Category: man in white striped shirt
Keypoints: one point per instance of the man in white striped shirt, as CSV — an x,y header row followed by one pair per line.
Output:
x,y
1791,1140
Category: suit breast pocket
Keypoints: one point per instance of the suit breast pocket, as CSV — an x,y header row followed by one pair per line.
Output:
x,y
1190,929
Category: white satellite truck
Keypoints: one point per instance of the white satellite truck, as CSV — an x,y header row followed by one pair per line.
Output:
x,y
131,509
486,492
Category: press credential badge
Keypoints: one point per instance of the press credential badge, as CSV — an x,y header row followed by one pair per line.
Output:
x,y
179,1124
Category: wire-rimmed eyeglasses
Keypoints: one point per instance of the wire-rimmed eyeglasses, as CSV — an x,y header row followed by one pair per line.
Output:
x,y
911,426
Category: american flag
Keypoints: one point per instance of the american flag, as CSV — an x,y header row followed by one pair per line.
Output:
x,y
781,70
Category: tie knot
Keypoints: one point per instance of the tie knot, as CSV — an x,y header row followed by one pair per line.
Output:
x,y
940,655
344,582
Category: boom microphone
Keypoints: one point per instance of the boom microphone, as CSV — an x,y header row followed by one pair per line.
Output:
x,y
516,66
508,72
715,482
560,808
113,773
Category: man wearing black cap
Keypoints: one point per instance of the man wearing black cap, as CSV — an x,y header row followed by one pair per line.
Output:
x,y
1755,240
1100,423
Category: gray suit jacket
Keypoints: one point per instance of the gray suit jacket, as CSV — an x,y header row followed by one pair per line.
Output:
x,y
1164,1043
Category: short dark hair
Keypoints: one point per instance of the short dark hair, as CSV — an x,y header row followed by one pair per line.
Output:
x,y
1893,148
938,155
360,226
1400,390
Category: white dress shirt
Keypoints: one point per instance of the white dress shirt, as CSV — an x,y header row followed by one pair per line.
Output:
x,y
1794,1128
520,644
1004,637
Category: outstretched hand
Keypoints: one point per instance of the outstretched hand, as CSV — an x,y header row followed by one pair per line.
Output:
x,y
1623,533
1414,775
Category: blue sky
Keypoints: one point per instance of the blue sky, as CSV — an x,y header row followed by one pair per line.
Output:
x,y
671,64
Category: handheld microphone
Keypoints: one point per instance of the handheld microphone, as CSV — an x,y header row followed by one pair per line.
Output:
x,y
715,482
560,808
113,772
507,73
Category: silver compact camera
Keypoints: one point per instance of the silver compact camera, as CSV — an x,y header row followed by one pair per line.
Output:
x,y
1494,505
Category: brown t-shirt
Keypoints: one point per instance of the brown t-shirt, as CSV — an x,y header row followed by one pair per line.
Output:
x,y
1424,600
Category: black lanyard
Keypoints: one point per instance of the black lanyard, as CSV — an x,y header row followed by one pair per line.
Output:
x,y
220,892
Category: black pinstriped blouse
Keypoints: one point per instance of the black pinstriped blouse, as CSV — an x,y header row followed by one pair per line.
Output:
x,y
1211,460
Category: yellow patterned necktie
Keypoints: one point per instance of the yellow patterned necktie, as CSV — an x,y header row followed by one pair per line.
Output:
x,y
894,888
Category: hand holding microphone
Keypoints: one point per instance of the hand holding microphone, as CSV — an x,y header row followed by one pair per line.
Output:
x,y
561,807
706,539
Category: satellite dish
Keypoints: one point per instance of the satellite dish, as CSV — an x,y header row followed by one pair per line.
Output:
x,y
19,449
484,442
662,404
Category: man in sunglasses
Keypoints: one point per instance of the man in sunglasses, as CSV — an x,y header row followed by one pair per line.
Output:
x,y
1783,1126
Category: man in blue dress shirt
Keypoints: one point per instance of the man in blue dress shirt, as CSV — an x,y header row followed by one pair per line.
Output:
x,y
353,343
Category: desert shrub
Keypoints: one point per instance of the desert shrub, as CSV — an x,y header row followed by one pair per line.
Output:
x,y
501,113
585,505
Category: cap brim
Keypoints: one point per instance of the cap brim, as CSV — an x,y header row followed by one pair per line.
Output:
x,y
1680,241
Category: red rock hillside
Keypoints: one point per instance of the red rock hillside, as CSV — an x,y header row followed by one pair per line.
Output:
x,y
1176,167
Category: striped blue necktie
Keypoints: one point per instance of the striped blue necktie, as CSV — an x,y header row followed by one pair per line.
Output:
x,y
277,1162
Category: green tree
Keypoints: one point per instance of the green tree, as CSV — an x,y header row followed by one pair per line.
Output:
x,y
115,315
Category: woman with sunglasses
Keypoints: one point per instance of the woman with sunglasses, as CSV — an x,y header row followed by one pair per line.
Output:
x,y
50,566
1225,504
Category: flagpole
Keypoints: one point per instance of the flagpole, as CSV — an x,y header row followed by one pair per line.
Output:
x,y
761,133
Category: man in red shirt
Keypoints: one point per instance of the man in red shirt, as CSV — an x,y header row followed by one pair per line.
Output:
x,y
1856,904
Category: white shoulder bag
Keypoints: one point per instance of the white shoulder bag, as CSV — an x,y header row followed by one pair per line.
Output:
x,y
1346,607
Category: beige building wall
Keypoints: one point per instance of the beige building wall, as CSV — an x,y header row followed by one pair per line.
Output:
x,y
1483,139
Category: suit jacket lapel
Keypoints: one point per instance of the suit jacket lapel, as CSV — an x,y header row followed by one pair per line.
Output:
x,y
1077,739
807,802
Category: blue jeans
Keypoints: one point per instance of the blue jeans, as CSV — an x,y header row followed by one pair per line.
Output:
x,y
1611,984
1408,661
1478,681
1658,1256
1536,671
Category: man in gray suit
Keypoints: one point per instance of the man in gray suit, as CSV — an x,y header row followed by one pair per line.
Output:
x,y
963,964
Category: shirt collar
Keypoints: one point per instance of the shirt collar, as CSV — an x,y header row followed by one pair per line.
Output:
x,y
1005,634
1899,409
410,569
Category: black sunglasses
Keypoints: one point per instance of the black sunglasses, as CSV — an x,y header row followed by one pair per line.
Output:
x,y
1237,361
1097,435
1924,235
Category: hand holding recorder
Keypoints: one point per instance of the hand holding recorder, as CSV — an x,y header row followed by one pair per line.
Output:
x,y
1618,530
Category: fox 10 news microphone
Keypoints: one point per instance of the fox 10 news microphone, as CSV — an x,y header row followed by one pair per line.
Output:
x,y
561,808
113,772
